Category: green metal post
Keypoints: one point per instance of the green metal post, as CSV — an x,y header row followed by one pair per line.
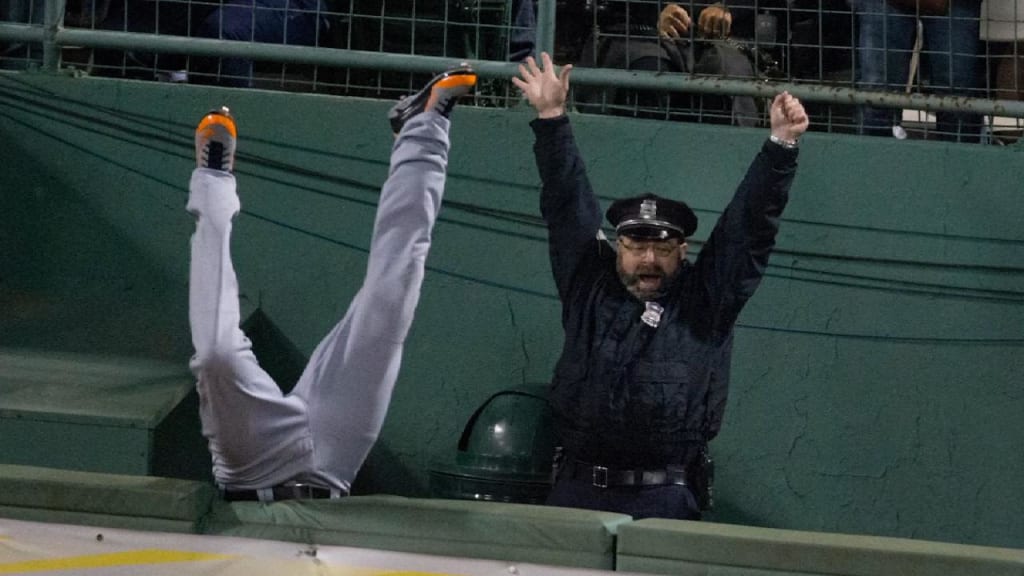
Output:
x,y
53,21
545,27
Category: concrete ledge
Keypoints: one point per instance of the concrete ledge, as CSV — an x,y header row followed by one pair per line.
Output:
x,y
144,523
114,500
684,548
487,530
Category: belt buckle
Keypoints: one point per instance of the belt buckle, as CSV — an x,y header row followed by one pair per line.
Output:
x,y
599,476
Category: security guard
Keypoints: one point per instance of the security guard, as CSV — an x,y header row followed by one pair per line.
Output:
x,y
641,384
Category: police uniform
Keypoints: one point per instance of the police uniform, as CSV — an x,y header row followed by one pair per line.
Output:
x,y
312,441
640,387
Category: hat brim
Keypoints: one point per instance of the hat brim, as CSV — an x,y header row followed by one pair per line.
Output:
x,y
649,230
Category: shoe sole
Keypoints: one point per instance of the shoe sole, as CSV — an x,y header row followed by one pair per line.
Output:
x,y
208,129
454,81
208,123
429,96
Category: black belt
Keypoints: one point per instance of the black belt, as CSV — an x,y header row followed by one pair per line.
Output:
x,y
604,477
291,491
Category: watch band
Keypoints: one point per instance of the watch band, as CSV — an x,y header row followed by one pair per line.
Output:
x,y
788,144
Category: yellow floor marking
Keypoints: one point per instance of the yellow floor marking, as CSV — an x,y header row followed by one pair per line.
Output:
x,y
387,573
106,560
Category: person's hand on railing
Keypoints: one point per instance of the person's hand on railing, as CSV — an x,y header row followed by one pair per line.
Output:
x,y
674,22
545,91
715,21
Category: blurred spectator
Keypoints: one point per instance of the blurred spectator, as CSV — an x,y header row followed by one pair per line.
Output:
x,y
139,16
296,22
821,41
641,17
501,30
271,21
619,23
523,39
504,30
951,48
656,36
1002,26
753,32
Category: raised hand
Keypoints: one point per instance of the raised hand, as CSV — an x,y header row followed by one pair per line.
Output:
x,y
789,120
545,91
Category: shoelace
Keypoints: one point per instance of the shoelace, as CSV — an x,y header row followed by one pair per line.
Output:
x,y
214,155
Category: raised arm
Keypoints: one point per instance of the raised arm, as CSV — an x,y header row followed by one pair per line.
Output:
x,y
733,260
567,201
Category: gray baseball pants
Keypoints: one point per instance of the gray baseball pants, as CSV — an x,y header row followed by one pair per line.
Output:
x,y
321,432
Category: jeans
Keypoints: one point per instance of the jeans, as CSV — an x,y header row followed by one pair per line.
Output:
x,y
951,51
273,21
523,37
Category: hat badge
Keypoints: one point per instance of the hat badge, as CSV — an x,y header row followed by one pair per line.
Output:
x,y
648,209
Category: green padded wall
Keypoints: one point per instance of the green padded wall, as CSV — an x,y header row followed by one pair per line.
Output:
x,y
876,375
495,530
100,414
682,548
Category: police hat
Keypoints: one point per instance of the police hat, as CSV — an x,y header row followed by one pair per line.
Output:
x,y
652,217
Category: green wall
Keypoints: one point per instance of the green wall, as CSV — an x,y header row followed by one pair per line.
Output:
x,y
876,375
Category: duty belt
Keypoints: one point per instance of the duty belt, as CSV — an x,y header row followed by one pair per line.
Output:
x,y
287,491
604,477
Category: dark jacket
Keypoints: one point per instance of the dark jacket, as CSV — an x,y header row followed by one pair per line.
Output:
x,y
637,17
625,394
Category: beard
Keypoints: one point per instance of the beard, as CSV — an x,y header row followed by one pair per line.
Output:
x,y
647,282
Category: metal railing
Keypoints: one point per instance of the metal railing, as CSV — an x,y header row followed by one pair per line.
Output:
x,y
53,36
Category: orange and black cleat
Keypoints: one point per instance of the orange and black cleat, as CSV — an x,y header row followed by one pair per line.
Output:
x,y
439,94
215,140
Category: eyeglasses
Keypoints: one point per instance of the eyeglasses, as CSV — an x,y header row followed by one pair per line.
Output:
x,y
661,249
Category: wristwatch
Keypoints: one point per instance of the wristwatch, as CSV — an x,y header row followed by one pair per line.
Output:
x,y
788,144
